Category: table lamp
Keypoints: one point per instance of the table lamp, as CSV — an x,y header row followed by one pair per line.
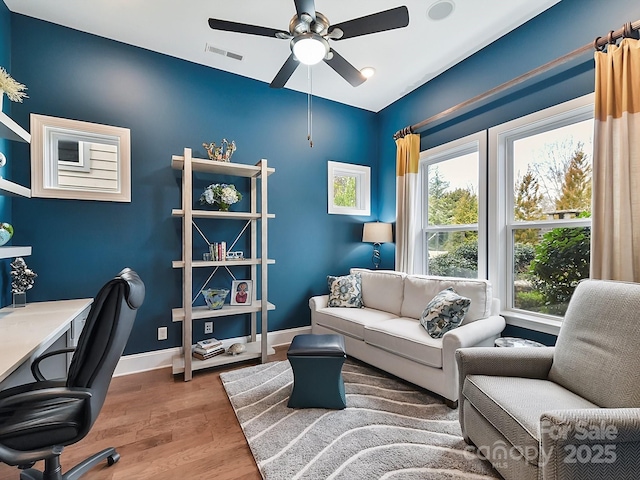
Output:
x,y
377,233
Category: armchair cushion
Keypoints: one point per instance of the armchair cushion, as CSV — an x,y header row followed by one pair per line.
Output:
x,y
597,349
513,405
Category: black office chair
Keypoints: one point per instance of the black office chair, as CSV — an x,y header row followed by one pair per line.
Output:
x,y
38,419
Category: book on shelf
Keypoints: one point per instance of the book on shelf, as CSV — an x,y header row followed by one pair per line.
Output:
x,y
218,251
209,343
207,351
206,356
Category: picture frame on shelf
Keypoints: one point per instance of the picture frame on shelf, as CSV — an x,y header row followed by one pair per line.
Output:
x,y
242,292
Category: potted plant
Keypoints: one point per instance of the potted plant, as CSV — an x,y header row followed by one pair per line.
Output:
x,y
222,194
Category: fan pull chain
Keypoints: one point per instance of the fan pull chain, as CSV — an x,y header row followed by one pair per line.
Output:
x,y
310,107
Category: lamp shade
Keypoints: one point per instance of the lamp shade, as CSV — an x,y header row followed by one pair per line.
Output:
x,y
377,232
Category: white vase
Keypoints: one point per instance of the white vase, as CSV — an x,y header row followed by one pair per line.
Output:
x,y
1,98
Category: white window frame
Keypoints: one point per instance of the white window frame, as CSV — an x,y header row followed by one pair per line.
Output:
x,y
433,156
501,223
362,175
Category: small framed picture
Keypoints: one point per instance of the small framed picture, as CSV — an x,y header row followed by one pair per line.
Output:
x,y
241,292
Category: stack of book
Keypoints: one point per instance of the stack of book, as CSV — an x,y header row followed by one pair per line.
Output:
x,y
218,251
208,348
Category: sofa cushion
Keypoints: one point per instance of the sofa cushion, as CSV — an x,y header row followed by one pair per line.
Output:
x,y
345,291
596,353
514,405
349,321
420,289
405,337
444,312
382,290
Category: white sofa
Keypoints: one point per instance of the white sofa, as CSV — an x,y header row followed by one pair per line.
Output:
x,y
387,334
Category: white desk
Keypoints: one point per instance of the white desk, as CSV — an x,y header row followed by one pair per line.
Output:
x,y
28,331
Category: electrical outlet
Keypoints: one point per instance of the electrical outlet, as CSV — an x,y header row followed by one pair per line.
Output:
x,y
162,333
208,327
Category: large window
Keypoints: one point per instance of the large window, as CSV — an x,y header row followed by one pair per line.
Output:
x,y
541,207
453,241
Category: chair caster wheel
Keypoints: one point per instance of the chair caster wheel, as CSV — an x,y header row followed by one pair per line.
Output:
x,y
111,459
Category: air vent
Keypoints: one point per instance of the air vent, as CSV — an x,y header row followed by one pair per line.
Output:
x,y
224,53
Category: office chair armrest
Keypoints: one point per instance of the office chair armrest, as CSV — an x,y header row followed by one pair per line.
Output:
x,y
16,457
20,399
35,366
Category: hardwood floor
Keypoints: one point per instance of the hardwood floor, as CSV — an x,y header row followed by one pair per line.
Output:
x,y
166,429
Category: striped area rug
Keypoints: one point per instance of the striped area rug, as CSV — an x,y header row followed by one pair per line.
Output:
x,y
389,430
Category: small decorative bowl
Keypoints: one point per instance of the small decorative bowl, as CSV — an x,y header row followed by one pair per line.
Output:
x,y
215,297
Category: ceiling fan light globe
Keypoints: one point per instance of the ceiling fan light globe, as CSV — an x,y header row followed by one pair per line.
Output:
x,y
310,48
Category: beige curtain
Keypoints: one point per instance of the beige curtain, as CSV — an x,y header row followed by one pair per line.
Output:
x,y
615,239
408,222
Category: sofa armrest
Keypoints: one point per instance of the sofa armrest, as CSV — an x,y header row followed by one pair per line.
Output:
x,y
471,334
590,443
318,302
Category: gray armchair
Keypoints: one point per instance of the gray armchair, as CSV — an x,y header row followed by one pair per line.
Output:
x,y
566,412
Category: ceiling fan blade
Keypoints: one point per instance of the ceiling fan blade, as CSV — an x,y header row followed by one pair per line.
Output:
x,y
347,71
378,22
228,26
305,6
285,72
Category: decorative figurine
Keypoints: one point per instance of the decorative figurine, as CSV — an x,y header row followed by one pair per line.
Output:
x,y
23,277
236,349
222,153
6,232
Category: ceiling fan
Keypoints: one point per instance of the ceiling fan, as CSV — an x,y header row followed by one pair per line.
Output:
x,y
309,34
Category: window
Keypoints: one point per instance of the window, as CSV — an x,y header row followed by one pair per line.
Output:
x,y
541,207
349,189
453,241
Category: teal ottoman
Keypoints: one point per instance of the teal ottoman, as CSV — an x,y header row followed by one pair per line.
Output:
x,y
316,361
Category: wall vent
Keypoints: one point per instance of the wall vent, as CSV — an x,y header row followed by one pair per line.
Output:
x,y
224,53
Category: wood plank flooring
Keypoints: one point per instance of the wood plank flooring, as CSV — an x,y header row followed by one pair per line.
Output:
x,y
166,429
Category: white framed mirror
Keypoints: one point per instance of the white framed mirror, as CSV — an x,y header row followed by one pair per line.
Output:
x,y
79,160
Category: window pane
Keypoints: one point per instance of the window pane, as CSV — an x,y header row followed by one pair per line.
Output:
x,y
453,191
453,254
548,264
552,173
344,191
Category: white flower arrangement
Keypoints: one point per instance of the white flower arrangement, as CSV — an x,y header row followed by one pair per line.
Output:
x,y
13,89
221,193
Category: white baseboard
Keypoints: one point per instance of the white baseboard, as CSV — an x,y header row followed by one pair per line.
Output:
x,y
143,362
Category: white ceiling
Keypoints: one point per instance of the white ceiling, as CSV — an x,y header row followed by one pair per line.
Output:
x,y
404,59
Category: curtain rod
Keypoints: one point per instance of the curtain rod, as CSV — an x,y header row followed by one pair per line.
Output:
x,y
629,29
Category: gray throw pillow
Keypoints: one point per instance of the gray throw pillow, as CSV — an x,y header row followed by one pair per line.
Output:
x,y
444,312
345,291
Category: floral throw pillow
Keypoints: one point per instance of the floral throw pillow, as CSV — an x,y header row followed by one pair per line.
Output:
x,y
345,291
444,312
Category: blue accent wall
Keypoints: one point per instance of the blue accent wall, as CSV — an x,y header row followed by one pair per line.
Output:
x,y
561,29
170,104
